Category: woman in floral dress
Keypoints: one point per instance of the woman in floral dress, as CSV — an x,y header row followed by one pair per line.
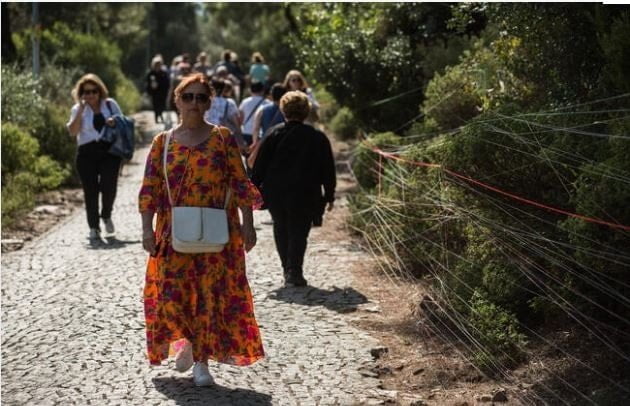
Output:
x,y
198,305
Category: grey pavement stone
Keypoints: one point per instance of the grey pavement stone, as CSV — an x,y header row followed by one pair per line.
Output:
x,y
73,327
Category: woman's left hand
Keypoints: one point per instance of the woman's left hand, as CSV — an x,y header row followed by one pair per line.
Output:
x,y
249,236
110,122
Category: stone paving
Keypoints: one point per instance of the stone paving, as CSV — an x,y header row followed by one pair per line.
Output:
x,y
73,327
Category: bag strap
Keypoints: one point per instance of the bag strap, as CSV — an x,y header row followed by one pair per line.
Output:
x,y
225,110
109,107
251,113
168,189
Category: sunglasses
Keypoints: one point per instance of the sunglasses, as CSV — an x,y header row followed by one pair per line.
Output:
x,y
295,80
89,91
199,97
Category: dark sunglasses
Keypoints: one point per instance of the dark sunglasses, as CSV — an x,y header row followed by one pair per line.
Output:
x,y
89,91
199,97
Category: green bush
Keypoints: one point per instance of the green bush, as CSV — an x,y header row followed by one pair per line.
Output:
x,y
479,82
328,106
127,96
344,125
451,98
365,161
497,333
22,103
19,150
24,172
18,195
52,134
49,173
56,83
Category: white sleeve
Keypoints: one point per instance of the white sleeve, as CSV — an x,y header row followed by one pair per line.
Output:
x,y
73,114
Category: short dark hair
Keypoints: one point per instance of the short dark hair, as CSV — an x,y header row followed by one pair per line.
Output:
x,y
256,86
277,91
218,85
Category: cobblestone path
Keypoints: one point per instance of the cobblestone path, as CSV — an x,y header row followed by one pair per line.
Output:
x,y
73,327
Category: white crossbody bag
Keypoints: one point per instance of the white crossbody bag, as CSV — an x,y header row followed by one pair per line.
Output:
x,y
196,229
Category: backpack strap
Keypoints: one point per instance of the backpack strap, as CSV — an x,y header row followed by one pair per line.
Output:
x,y
251,113
225,111
109,107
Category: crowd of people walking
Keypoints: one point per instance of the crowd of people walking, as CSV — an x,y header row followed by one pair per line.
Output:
x,y
241,142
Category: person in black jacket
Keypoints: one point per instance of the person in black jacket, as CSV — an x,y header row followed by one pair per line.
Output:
x,y
157,85
294,162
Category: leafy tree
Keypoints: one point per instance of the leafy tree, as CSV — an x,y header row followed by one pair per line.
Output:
x,y
249,27
365,52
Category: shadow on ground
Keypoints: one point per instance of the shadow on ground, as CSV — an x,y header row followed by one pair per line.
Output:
x,y
109,243
340,300
184,392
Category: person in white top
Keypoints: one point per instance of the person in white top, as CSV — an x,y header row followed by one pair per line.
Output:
x,y
248,109
224,112
97,168
294,80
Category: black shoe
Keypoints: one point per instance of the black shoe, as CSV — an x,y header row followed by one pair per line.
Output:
x,y
293,281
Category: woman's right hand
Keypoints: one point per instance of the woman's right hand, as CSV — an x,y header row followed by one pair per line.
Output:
x,y
148,243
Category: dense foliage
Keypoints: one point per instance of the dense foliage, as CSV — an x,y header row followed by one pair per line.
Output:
x,y
536,106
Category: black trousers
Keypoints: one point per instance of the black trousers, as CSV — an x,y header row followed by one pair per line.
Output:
x,y
98,171
290,231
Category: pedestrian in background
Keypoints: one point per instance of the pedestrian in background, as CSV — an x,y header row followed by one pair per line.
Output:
x,y
224,112
198,305
98,169
294,163
203,65
269,115
157,86
248,108
259,70
294,80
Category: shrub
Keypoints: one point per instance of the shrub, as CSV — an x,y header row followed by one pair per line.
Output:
x,y
478,83
127,96
451,98
24,173
365,161
22,103
497,333
49,173
56,83
18,195
19,150
328,106
52,134
344,125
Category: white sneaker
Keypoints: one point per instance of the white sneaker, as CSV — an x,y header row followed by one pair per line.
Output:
x,y
184,358
95,234
109,226
201,375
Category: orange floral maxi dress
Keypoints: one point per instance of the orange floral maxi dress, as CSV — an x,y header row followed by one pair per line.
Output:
x,y
204,298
